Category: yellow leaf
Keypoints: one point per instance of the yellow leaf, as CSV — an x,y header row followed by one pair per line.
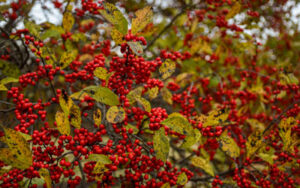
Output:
x,y
133,94
255,124
65,103
114,16
67,58
167,68
153,92
285,133
9,157
99,158
115,114
254,143
166,185
167,95
117,36
228,145
234,10
214,118
68,21
204,164
79,95
267,157
2,87
178,123
44,173
200,46
100,73
97,116
134,128
143,17
75,116
182,179
8,80
19,147
161,144
191,139
63,124
146,104
99,168
136,48
85,58
103,95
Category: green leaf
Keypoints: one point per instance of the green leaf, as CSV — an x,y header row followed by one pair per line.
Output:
x,y
114,16
268,157
8,80
9,69
51,33
103,95
161,144
143,17
191,139
104,159
33,28
178,123
133,94
136,47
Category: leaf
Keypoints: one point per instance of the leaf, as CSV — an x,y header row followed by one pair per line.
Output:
x,y
136,47
285,132
9,157
103,95
191,139
26,136
254,143
182,179
67,58
75,116
117,36
8,80
166,185
44,173
79,95
33,28
161,144
143,17
167,68
68,21
145,103
268,157
100,73
134,128
203,164
133,94
167,95
51,33
115,114
153,92
9,69
65,103
18,146
99,168
97,116
114,16
62,122
3,88
228,145
214,118
99,158
178,123
235,9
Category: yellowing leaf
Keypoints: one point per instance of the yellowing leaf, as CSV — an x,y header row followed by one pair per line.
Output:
x,y
214,118
9,157
204,164
255,124
33,28
191,139
19,147
133,94
267,157
68,21
182,179
285,133
136,47
143,17
167,68
153,92
65,103
114,16
67,58
8,80
85,58
200,46
104,159
103,95
79,95
44,173
234,10
100,73
99,168
167,95
75,116
115,114
161,144
2,87
228,145
9,69
146,104
62,122
97,116
178,123
117,36
254,143
134,128
166,185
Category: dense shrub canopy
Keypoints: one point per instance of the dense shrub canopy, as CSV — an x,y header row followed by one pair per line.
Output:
x,y
177,93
